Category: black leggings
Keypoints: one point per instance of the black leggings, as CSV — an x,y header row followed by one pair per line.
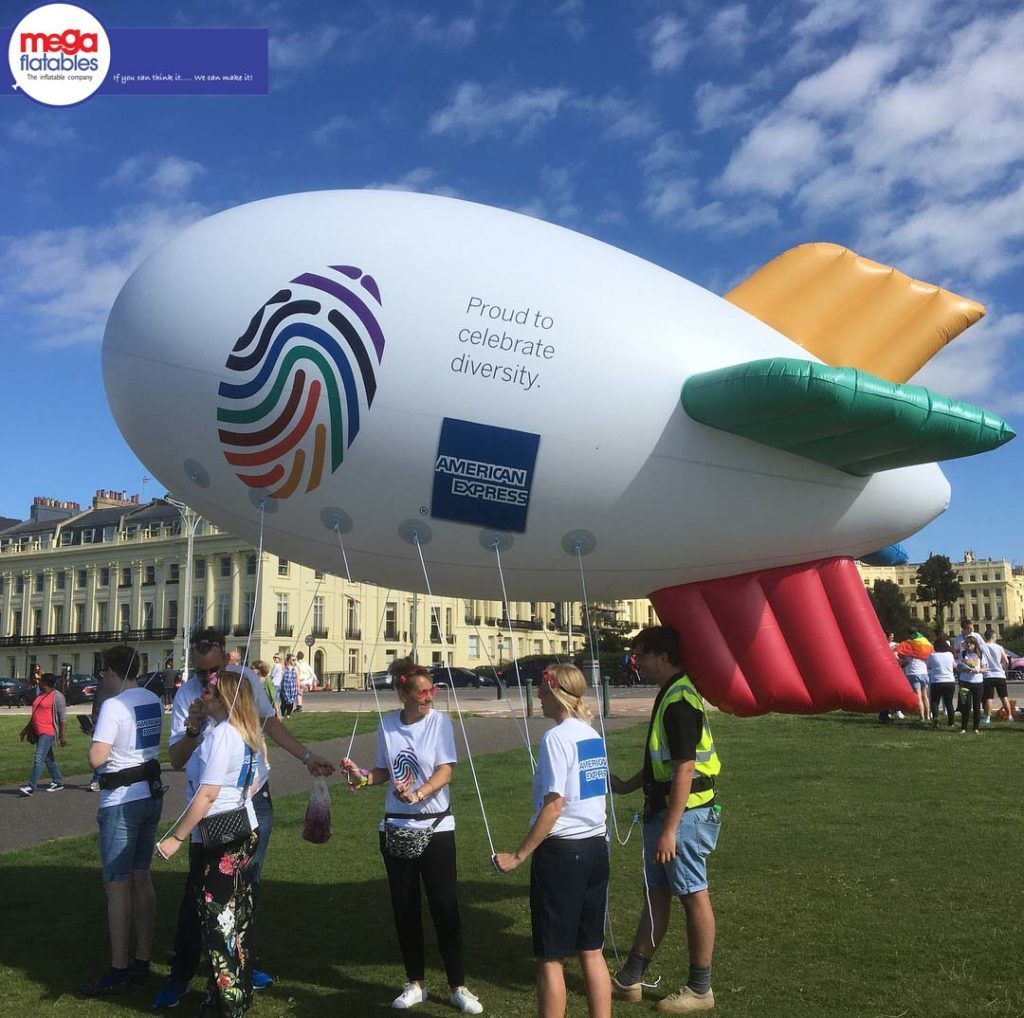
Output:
x,y
970,696
436,869
942,692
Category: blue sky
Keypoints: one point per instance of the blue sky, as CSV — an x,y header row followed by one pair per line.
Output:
x,y
704,137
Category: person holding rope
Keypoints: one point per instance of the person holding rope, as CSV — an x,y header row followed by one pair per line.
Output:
x,y
568,841
220,779
189,721
415,757
681,824
125,754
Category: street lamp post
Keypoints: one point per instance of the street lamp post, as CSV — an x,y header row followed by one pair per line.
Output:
x,y
190,521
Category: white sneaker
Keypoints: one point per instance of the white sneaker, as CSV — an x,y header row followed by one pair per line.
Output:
x,y
466,1002
25,790
899,714
411,995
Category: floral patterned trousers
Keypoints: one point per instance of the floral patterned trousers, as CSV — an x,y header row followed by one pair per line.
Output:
x,y
225,911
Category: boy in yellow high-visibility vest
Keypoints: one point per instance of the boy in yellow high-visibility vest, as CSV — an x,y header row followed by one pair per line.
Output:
x,y
681,823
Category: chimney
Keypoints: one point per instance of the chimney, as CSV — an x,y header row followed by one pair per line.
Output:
x,y
45,509
108,499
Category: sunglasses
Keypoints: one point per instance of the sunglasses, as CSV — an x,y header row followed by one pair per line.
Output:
x,y
423,695
205,646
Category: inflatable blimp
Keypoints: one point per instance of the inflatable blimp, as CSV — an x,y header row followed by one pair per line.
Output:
x,y
418,375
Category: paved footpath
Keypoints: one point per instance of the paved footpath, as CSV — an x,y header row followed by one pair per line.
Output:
x,y
72,812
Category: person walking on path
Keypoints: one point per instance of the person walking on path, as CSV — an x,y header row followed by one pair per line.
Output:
x,y
415,757
681,824
46,726
125,752
569,845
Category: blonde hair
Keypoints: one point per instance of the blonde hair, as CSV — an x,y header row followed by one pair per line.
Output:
x,y
236,692
569,689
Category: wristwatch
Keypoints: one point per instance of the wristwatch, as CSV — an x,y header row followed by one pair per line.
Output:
x,y
192,731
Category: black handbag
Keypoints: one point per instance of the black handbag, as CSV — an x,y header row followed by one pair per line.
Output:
x,y
230,827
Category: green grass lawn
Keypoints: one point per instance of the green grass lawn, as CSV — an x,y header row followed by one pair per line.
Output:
x,y
16,757
863,870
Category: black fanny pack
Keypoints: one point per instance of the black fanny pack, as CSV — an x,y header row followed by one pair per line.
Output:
x,y
148,772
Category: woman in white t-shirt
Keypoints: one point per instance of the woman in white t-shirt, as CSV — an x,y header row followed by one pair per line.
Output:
x,y
220,775
569,844
941,666
916,671
415,757
972,680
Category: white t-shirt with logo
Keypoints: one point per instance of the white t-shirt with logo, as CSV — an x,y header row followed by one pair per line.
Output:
x,y
223,759
941,665
131,723
416,751
573,762
193,690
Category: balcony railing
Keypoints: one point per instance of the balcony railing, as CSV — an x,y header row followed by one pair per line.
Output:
x,y
320,633
472,620
240,630
287,631
94,636
390,632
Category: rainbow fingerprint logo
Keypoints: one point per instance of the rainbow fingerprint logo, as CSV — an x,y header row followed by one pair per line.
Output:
x,y
297,379
405,766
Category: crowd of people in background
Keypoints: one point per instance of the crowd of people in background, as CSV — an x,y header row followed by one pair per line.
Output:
x,y
964,675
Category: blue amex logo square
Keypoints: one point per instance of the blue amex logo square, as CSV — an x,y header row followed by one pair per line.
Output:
x,y
483,475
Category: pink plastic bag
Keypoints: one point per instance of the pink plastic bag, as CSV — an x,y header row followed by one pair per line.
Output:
x,y
317,825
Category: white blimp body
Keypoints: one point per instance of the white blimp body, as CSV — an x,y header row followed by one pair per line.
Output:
x,y
403,370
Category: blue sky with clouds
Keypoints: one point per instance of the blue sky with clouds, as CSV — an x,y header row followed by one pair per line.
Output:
x,y
704,137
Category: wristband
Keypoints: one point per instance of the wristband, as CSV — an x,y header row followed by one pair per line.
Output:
x,y
180,841
307,756
192,731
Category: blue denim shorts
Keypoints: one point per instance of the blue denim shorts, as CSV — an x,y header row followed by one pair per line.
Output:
x,y
696,837
128,837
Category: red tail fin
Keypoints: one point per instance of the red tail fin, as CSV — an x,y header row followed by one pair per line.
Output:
x,y
798,639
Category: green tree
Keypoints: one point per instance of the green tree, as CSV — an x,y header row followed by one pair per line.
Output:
x,y
609,629
938,586
891,608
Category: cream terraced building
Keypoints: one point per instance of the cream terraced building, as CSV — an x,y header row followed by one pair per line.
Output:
x,y
993,590
74,582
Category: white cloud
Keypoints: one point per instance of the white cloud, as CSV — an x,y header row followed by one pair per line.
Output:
x,y
451,35
570,13
291,52
620,119
846,82
166,176
328,131
65,281
476,113
729,29
557,198
44,134
718,105
775,155
421,179
666,42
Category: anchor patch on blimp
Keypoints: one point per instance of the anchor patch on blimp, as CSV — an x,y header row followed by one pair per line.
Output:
x,y
297,378
484,475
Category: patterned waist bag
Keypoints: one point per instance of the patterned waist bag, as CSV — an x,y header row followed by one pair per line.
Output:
x,y
408,842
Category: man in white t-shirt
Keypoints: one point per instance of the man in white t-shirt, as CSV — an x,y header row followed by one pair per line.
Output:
x,y
125,751
188,725
966,629
996,661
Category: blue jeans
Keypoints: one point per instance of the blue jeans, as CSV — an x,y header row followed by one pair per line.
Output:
x,y
44,754
127,837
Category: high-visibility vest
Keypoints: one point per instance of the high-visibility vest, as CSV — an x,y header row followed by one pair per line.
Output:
x,y
706,765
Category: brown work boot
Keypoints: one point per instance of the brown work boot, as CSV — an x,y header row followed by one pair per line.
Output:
x,y
632,992
686,1001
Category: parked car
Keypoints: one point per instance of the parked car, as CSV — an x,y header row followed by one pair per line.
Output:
x,y
15,694
382,680
1016,670
153,681
460,678
530,669
80,689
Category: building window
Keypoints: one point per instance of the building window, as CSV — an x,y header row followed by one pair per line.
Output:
x,y
58,618
282,613
126,576
391,620
317,575
104,576
172,572
19,585
353,660
199,569
79,618
998,575
147,617
198,611
150,576
172,615
124,618
37,621
250,565
38,586
318,614
16,629
108,533
81,578
102,613
225,566
474,648
223,612
352,619
88,536
250,607
60,580
282,567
